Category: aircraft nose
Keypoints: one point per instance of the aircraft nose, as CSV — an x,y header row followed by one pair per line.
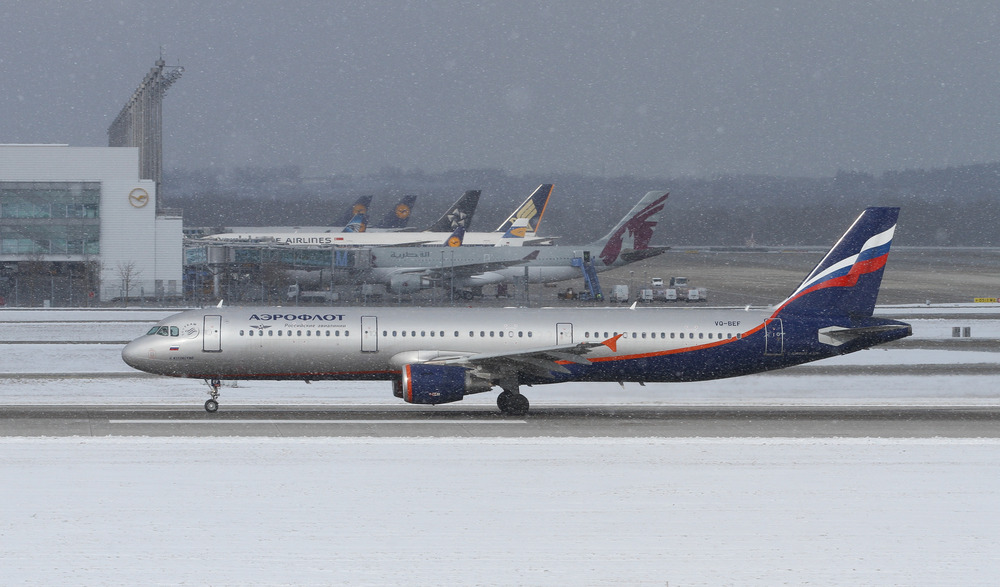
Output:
x,y
136,355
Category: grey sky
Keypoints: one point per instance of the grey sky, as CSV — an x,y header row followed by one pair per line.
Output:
x,y
609,88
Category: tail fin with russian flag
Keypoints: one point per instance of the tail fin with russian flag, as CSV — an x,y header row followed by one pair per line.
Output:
x,y
846,282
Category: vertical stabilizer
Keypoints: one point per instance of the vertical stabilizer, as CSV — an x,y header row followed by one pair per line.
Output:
x,y
357,224
532,208
360,206
634,231
400,213
460,214
847,280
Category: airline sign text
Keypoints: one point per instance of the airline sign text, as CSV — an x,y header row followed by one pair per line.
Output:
x,y
301,317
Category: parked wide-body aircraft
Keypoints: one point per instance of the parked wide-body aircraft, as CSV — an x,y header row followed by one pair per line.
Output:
x,y
352,218
439,355
437,233
408,270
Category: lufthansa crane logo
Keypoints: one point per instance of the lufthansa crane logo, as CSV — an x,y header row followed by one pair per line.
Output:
x,y
138,198
402,211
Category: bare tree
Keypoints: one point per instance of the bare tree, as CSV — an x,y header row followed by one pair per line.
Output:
x,y
129,274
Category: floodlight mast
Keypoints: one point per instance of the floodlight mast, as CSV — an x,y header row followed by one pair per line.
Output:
x,y
140,122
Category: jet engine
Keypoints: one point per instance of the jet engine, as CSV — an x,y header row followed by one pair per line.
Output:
x,y
437,384
407,284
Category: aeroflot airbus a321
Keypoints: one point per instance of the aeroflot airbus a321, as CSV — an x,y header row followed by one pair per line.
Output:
x,y
439,355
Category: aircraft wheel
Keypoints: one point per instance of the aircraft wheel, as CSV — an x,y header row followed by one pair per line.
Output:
x,y
211,406
517,405
503,401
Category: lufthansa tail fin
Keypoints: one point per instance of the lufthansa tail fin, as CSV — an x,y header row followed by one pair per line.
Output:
x,y
400,213
532,208
629,239
847,280
460,214
456,237
360,206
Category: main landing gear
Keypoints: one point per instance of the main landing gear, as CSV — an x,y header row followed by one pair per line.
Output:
x,y
212,405
512,403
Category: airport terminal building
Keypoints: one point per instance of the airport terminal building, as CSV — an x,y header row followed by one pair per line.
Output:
x,y
78,227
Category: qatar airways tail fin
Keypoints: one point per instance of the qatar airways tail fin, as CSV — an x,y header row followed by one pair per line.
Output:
x,y
629,240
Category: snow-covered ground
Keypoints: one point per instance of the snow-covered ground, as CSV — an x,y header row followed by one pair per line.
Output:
x,y
492,511
537,511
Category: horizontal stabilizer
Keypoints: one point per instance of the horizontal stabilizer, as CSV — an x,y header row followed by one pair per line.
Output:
x,y
839,335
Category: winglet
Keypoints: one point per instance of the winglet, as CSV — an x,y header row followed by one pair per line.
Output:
x,y
612,343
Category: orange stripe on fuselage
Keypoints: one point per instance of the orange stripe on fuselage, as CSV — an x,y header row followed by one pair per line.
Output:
x,y
672,351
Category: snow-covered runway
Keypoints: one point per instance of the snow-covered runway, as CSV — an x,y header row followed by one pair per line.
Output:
x,y
497,511
703,511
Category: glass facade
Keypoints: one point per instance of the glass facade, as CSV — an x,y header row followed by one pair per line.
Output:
x,y
41,218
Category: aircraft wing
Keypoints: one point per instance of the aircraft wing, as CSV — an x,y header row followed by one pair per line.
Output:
x,y
631,256
469,269
541,361
539,240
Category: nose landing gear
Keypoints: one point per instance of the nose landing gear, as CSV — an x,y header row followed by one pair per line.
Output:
x,y
212,405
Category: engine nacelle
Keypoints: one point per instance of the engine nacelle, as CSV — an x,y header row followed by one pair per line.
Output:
x,y
407,284
437,384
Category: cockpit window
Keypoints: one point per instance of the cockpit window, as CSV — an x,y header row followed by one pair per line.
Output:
x,y
164,331
153,330
175,331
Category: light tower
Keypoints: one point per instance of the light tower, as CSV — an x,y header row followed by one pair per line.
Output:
x,y
140,123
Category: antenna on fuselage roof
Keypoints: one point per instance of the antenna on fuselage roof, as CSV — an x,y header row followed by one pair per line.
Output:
x,y
632,307
219,305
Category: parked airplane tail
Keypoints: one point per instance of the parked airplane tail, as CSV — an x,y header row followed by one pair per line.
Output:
x,y
847,280
532,208
460,214
518,229
357,224
631,236
400,213
360,206
455,239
